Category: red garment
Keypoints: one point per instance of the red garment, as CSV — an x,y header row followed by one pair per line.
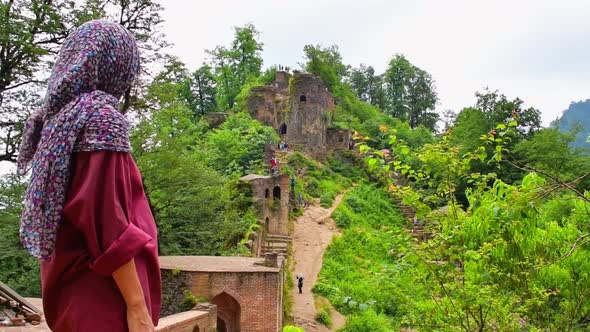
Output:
x,y
106,222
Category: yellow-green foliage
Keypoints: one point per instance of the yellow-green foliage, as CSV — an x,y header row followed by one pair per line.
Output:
x,y
287,291
315,180
322,307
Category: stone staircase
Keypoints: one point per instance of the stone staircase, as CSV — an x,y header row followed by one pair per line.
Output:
x,y
282,156
418,230
407,211
275,243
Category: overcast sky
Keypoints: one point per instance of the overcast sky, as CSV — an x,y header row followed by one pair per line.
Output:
x,y
533,49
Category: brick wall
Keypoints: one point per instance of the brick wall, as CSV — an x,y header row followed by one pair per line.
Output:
x,y
277,211
258,295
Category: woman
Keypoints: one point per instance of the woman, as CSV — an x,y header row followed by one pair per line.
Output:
x,y
86,215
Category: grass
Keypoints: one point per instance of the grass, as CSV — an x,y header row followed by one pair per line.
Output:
x,y
287,289
316,180
362,272
322,307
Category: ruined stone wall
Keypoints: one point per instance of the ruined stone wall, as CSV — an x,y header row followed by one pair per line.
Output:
x,y
271,207
269,105
311,112
282,80
299,108
174,288
216,119
339,138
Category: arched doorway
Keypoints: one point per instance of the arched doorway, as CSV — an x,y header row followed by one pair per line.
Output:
x,y
283,129
221,325
228,313
276,192
266,193
197,329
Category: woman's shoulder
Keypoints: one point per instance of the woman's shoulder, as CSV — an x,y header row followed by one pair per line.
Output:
x,y
105,129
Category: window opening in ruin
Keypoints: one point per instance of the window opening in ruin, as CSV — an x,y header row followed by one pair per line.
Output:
x,y
276,192
266,193
302,98
266,223
197,329
283,129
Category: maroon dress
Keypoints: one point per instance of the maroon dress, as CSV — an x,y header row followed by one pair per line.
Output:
x,y
106,222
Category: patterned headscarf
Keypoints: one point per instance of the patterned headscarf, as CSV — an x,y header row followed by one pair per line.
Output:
x,y
96,66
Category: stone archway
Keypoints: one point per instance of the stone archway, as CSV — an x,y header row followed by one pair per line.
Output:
x,y
276,193
283,129
228,313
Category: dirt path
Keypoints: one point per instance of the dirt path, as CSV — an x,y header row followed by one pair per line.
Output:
x,y
313,232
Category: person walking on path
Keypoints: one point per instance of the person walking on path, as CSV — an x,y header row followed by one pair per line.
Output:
x,y
86,216
300,282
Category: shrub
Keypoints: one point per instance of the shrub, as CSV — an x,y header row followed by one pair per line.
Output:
x,y
367,320
323,316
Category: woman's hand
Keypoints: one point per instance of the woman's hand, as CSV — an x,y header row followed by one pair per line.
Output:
x,y
138,319
138,316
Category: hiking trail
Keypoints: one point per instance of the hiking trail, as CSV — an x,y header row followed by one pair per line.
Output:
x,y
312,234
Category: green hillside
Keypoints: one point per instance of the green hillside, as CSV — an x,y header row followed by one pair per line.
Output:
x,y
478,226
576,119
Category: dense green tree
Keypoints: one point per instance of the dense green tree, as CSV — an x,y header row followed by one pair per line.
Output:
x,y
367,85
235,65
410,93
469,125
493,108
326,62
18,269
31,32
448,118
203,88
497,108
197,208
237,147
549,150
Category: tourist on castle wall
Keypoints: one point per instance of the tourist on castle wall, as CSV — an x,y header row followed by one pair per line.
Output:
x,y
86,215
274,166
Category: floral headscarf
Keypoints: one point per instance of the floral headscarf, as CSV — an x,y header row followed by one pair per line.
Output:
x,y
96,66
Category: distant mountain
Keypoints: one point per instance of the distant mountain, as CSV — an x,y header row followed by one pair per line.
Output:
x,y
577,114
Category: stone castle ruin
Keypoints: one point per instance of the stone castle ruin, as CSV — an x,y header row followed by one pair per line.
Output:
x,y
300,108
270,197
